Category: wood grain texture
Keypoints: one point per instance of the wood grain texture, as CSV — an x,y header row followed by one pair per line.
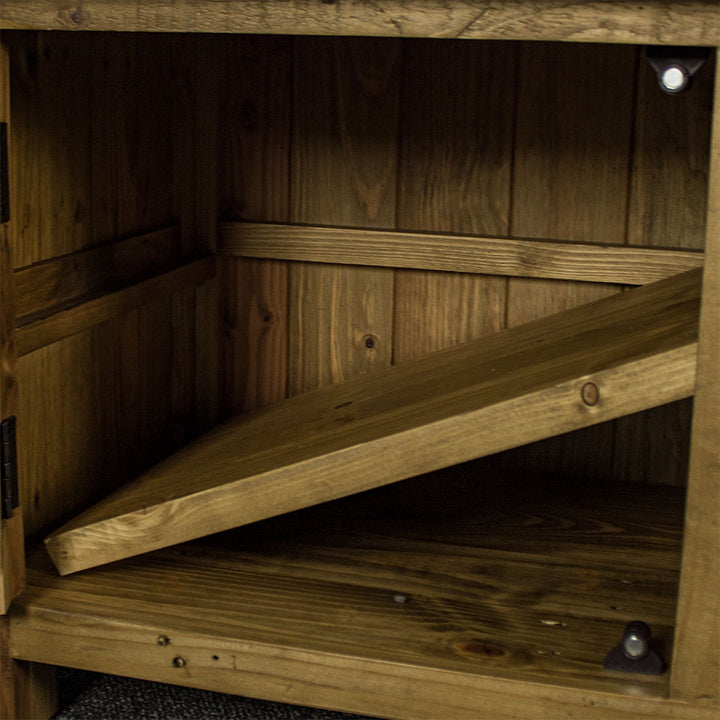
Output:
x,y
571,173
132,160
344,171
103,405
479,398
51,170
678,22
196,68
588,262
668,191
12,547
74,320
696,673
255,324
255,185
572,151
27,690
668,208
654,446
454,176
65,280
490,600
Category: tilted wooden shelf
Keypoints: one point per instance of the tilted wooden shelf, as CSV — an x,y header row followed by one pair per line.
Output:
x,y
600,361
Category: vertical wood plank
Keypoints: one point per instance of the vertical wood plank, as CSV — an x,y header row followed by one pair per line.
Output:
x,y
696,657
197,69
668,208
131,161
668,191
571,174
27,690
573,142
344,172
12,557
456,156
255,333
255,185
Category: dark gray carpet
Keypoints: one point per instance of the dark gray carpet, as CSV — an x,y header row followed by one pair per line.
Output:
x,y
91,696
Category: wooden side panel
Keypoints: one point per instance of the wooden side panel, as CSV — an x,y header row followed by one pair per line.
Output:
x,y
696,661
456,156
254,175
344,172
571,170
101,406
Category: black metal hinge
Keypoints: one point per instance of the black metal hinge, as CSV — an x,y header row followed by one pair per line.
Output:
x,y
4,190
9,499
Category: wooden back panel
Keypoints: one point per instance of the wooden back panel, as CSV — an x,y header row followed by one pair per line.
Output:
x,y
524,140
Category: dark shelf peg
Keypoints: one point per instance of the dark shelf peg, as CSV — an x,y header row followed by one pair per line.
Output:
x,y
634,653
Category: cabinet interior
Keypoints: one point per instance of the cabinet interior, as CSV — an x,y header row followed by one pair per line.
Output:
x,y
174,268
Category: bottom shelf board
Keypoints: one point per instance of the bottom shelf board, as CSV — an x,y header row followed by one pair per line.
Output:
x,y
444,584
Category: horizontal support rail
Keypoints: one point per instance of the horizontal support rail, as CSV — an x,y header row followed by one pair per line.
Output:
x,y
628,265
46,287
71,321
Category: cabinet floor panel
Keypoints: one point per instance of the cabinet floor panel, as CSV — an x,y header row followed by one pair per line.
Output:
x,y
356,603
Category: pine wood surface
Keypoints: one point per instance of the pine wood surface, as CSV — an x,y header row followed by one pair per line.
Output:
x,y
667,208
638,348
254,184
678,22
453,175
103,405
670,153
571,169
548,259
71,321
699,602
45,287
344,171
12,563
196,73
485,583
27,690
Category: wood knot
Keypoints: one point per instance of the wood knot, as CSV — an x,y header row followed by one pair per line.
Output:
x,y
590,394
479,648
